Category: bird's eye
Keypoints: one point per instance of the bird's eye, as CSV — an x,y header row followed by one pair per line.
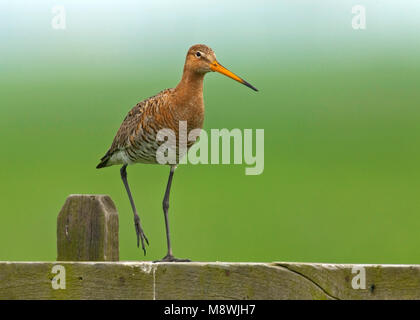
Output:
x,y
198,54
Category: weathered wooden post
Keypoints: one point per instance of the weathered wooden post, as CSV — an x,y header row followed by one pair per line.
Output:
x,y
87,229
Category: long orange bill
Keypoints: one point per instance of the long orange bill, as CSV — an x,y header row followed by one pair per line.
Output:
x,y
215,66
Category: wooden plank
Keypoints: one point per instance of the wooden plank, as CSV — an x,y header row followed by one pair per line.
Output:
x,y
83,280
232,281
87,229
202,280
382,281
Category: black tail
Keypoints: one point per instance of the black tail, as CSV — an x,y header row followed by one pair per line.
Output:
x,y
104,161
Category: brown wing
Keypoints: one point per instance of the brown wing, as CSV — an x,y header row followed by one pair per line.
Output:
x,y
138,119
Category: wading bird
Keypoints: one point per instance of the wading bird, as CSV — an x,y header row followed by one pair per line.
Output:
x,y
135,141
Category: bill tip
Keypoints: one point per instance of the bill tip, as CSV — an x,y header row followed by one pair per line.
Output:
x,y
250,86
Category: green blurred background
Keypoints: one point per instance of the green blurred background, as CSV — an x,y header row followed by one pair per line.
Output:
x,y
340,109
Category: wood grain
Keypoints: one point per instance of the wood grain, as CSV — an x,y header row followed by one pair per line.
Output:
x,y
87,229
207,280
383,281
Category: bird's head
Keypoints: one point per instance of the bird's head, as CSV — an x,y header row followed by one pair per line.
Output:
x,y
202,59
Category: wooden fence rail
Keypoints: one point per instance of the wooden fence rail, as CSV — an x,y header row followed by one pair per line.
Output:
x,y
200,280
88,268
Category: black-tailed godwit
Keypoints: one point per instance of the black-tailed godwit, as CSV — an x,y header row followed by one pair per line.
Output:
x,y
135,141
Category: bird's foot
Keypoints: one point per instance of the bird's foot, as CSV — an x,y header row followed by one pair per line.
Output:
x,y
140,234
171,258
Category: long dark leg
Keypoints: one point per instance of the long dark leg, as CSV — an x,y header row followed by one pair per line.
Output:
x,y
169,256
165,205
139,231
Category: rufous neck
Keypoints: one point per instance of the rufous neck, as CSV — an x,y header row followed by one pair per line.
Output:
x,y
191,85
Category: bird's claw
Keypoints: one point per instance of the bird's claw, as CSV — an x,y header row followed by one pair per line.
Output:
x,y
140,234
171,258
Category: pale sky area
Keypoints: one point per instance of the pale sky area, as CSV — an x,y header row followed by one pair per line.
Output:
x,y
168,24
